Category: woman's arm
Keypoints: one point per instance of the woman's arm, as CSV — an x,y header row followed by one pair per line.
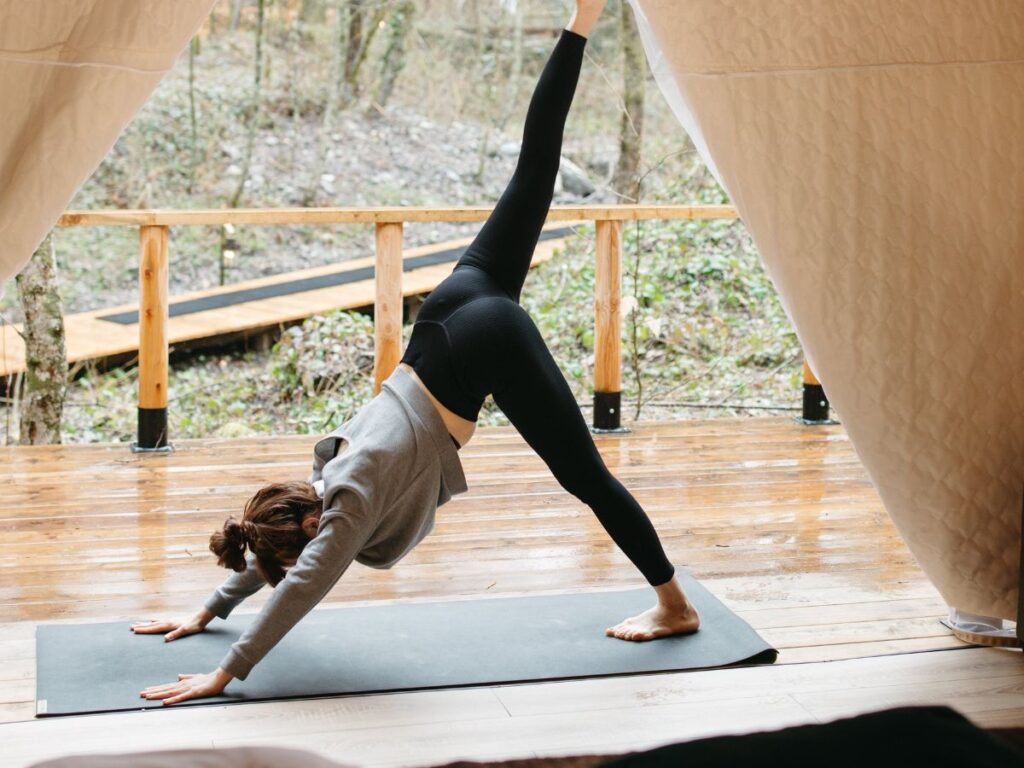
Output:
x,y
323,561
236,587
345,529
219,604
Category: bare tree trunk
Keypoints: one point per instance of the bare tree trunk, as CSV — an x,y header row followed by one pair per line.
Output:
x,y
292,46
491,72
46,367
515,75
193,50
394,57
362,27
254,106
236,14
354,43
626,181
313,12
254,120
331,98
478,29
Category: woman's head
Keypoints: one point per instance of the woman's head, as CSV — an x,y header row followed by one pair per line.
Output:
x,y
278,521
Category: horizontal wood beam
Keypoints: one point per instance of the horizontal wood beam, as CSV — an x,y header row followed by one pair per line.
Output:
x,y
394,215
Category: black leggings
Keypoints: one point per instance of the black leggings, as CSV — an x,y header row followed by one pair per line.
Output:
x,y
472,338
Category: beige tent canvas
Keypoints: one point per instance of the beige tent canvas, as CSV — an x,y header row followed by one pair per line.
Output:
x,y
875,151
72,75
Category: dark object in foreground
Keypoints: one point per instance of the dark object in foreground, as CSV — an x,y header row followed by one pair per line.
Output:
x,y
894,738
907,736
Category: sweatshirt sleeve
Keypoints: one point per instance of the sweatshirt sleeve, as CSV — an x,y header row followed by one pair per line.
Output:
x,y
344,531
235,589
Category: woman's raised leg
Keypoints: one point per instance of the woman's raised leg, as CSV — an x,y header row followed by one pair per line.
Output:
x,y
504,246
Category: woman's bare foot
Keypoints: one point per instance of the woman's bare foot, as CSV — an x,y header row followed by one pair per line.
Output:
x,y
673,615
585,15
656,622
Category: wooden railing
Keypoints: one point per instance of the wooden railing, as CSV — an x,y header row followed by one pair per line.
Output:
x,y
154,237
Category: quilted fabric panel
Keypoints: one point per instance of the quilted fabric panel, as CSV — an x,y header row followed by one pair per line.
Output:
x,y
72,74
751,35
875,150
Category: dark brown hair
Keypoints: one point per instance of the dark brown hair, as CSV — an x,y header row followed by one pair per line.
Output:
x,y
271,528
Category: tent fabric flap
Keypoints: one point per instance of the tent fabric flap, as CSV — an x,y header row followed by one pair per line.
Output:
x,y
72,75
875,151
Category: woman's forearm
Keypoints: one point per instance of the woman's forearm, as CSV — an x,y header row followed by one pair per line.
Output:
x,y
321,564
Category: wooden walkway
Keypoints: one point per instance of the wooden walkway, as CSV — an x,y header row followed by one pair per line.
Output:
x,y
778,520
94,335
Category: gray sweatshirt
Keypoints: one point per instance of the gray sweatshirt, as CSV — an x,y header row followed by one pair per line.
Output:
x,y
379,492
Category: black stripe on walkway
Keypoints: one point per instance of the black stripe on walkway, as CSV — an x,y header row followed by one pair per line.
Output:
x,y
191,306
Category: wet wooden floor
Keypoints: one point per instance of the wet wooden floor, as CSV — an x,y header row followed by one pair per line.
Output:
x,y
777,519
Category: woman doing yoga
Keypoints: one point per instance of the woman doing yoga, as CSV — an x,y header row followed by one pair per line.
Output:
x,y
378,479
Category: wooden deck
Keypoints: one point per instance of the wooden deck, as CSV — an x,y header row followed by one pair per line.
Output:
x,y
91,337
777,519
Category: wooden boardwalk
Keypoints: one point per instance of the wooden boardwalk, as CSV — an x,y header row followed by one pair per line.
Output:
x,y
777,519
94,335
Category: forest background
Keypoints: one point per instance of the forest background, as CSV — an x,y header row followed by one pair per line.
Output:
x,y
410,103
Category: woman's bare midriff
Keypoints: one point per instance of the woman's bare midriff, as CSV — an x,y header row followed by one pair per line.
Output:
x,y
459,428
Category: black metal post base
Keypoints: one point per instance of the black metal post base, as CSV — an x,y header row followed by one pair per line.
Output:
x,y
816,408
608,412
152,437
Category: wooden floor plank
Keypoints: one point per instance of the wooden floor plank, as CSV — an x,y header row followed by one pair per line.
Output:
x,y
969,667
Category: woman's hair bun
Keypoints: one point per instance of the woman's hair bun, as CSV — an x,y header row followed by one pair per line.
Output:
x,y
229,544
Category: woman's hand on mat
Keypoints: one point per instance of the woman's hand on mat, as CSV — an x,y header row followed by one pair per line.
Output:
x,y
174,629
190,687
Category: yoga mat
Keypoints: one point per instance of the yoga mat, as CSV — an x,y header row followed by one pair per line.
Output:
x,y
82,668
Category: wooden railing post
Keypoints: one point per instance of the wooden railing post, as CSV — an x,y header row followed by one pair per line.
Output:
x,y
387,307
608,328
153,347
816,406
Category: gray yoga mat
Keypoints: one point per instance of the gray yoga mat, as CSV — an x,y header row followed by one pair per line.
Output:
x,y
85,668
